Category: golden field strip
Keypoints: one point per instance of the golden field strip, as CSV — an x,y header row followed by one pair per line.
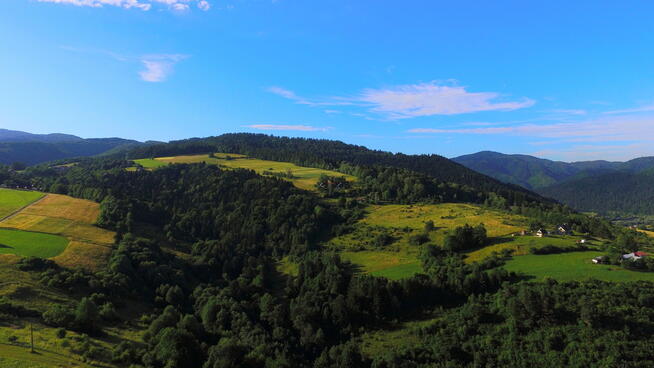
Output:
x,y
89,246
304,177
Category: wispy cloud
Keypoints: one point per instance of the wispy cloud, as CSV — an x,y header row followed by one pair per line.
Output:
x,y
159,67
145,5
619,128
618,152
415,100
301,128
570,111
156,67
646,108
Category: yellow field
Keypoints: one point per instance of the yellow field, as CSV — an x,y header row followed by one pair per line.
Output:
x,y
72,218
445,216
305,177
649,233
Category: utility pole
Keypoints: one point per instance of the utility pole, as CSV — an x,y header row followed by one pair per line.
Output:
x,y
32,337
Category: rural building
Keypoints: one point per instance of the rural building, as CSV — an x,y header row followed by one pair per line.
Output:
x,y
541,233
564,230
634,256
599,260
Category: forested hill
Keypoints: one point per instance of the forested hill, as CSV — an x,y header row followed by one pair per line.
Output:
x,y
596,186
618,191
535,173
336,155
527,171
31,149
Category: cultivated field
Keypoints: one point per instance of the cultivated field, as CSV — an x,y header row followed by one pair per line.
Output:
x,y
304,177
399,258
574,266
70,218
13,200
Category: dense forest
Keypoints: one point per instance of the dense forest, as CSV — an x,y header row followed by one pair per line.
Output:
x,y
615,192
225,304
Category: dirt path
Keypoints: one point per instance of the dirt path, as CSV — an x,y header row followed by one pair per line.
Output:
x,y
22,208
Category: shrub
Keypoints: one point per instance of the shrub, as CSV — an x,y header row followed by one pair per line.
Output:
x,y
418,239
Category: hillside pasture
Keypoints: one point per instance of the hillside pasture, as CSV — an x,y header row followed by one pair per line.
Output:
x,y
72,219
13,200
399,258
520,245
446,216
573,266
303,177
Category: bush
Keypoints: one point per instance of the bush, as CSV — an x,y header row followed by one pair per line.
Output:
x,y
61,333
552,249
382,240
58,316
466,237
418,239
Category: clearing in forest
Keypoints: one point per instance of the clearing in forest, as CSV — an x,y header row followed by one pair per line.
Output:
x,y
89,246
383,243
302,177
573,266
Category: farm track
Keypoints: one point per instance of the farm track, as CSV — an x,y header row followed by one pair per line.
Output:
x,y
16,212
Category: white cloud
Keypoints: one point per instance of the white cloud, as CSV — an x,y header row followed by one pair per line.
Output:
x,y
145,5
302,128
415,100
428,99
159,67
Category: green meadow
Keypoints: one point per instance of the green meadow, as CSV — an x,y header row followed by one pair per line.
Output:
x,y
573,266
303,177
399,258
29,244
13,200
520,245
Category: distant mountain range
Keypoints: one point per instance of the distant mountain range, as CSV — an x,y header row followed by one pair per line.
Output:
x,y
31,149
598,186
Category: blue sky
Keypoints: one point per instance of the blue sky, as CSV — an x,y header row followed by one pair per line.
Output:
x,y
557,79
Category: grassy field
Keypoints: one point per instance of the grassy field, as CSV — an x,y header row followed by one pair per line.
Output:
x,y
72,219
304,177
520,245
396,336
445,216
13,200
399,259
572,266
29,244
